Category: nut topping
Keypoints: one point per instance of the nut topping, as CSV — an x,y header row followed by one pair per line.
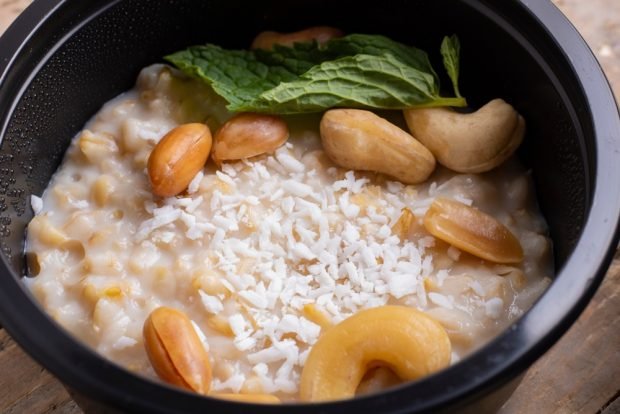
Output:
x,y
175,350
177,158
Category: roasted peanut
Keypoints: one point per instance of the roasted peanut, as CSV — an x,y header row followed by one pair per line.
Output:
x,y
247,135
472,231
405,339
177,158
175,350
320,34
249,398
405,222
361,140
469,143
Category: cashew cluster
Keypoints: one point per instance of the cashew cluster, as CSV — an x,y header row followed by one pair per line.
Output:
x,y
406,340
467,143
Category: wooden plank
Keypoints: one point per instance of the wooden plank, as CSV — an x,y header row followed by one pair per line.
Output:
x,y
581,373
9,9
68,407
25,387
613,407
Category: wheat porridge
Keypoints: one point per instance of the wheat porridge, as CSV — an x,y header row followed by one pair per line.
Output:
x,y
267,253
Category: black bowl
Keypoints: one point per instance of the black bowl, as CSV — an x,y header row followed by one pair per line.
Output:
x,y
62,59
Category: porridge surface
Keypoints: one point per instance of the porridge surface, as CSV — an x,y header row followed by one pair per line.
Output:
x,y
261,252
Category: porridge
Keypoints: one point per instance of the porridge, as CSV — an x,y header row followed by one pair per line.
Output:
x,y
260,256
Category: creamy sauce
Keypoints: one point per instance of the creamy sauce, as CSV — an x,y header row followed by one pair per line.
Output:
x,y
250,245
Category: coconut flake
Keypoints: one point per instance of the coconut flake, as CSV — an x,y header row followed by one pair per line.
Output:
x,y
201,335
123,342
161,217
289,162
297,188
494,307
211,303
440,300
194,185
36,203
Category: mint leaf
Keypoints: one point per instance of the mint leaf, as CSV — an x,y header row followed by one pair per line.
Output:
x,y
377,45
306,55
363,71
236,75
358,81
451,51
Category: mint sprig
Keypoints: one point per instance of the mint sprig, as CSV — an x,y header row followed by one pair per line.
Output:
x,y
360,71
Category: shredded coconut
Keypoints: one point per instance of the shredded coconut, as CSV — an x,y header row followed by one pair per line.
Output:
x,y
36,203
494,307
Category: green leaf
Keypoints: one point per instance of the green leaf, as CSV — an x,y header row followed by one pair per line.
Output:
x,y
377,45
451,51
237,75
306,55
359,81
362,71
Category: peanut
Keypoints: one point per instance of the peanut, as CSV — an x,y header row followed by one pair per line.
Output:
x,y
247,135
404,224
361,140
472,231
175,350
321,34
177,158
405,339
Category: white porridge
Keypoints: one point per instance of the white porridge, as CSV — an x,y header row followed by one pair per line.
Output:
x,y
263,254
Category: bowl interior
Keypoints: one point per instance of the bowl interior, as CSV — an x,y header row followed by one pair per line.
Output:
x,y
90,52
82,67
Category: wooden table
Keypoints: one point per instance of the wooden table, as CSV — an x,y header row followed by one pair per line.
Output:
x,y
580,374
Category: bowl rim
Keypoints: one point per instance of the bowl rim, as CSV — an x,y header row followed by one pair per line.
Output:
x,y
541,326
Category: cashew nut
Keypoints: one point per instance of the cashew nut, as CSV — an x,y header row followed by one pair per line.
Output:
x,y
361,140
409,342
472,231
469,143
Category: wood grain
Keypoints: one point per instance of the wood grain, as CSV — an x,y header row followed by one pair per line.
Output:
x,y
581,373
25,387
